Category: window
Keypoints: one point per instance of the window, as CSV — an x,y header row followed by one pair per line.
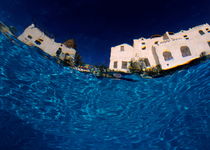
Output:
x,y
143,43
38,42
167,55
58,52
186,37
115,64
143,48
156,42
124,65
209,43
201,32
29,36
122,48
185,51
208,30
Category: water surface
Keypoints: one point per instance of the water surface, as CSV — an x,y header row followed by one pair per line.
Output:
x,y
44,105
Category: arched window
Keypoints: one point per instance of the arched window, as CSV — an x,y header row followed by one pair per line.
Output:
x,y
185,51
167,55
201,32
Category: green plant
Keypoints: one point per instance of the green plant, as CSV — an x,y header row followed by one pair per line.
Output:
x,y
135,67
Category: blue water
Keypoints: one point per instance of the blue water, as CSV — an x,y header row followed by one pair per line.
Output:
x,y
44,105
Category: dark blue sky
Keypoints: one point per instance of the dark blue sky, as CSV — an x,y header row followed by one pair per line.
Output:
x,y
99,24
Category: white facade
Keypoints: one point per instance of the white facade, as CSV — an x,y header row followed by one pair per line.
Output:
x,y
120,54
169,50
32,36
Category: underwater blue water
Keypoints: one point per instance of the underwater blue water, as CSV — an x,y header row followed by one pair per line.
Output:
x,y
44,105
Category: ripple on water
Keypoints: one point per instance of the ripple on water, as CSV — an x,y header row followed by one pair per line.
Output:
x,y
84,112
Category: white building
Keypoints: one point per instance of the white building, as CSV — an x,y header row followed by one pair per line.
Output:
x,y
168,51
32,36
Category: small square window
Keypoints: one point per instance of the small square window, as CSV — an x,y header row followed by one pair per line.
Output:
x,y
122,48
29,36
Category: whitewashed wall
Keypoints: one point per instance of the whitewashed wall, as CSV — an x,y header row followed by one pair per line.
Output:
x,y
197,44
144,48
48,45
120,56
